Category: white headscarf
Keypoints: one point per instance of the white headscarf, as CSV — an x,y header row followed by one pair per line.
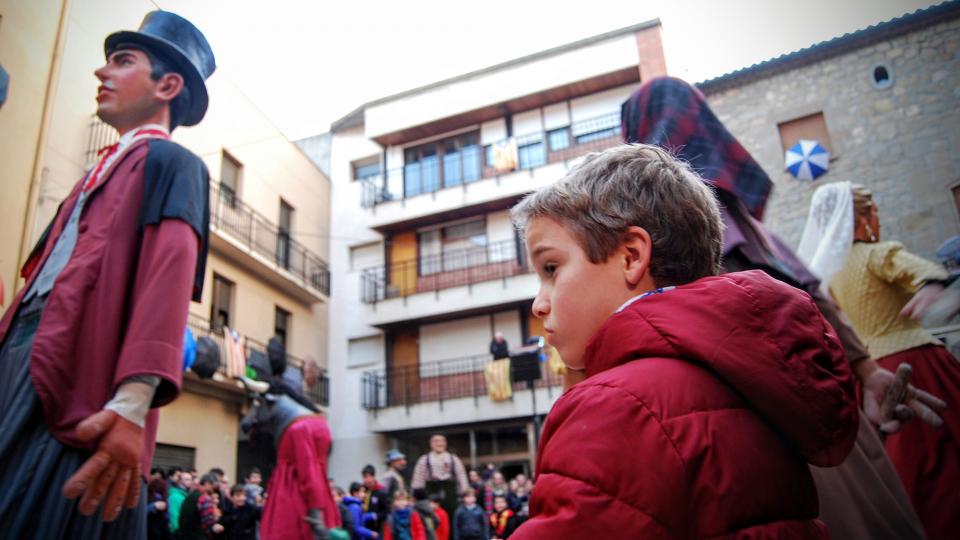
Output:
x,y
828,235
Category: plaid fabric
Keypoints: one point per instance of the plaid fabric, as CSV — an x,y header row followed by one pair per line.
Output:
x,y
673,114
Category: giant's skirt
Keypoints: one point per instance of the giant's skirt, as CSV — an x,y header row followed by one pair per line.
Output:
x,y
928,459
34,465
299,482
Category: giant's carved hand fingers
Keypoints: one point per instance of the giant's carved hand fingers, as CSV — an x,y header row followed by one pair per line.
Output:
x,y
109,473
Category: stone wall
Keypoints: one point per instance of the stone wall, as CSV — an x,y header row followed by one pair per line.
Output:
x,y
902,142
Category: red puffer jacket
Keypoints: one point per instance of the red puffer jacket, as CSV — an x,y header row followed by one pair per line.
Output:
x,y
701,409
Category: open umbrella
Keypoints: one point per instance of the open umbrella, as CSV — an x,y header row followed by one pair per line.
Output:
x,y
807,160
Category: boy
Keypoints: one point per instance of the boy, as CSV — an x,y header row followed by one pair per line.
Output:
x,y
200,514
443,518
252,488
470,521
354,503
403,522
503,520
703,395
346,518
240,519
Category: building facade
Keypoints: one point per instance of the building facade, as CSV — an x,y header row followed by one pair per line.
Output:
x,y
267,273
884,100
427,261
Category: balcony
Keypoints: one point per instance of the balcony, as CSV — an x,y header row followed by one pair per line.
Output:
x,y
394,196
243,234
410,397
455,268
319,393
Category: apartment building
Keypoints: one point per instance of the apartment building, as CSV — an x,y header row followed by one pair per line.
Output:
x,y
428,264
267,273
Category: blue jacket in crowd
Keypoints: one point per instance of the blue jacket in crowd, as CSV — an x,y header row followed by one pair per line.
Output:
x,y
355,506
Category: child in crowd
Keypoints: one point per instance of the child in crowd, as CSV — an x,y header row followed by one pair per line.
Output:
x,y
702,395
347,525
239,520
470,521
403,523
200,512
443,519
354,504
423,508
503,520
252,487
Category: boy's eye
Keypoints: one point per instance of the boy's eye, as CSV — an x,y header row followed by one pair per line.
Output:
x,y
549,269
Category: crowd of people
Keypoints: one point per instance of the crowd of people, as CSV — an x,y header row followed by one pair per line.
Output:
x,y
488,507
183,505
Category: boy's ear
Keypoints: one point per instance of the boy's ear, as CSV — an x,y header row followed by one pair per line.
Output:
x,y
169,86
637,246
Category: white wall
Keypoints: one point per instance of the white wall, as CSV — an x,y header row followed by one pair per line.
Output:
x,y
354,445
502,85
499,227
601,103
493,131
527,122
556,116
455,339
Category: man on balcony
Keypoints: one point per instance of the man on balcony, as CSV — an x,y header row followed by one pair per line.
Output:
x,y
93,342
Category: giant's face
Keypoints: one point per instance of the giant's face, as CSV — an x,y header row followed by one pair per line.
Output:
x,y
127,94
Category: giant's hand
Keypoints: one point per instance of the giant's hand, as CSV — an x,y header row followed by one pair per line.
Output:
x,y
881,410
315,519
926,298
112,474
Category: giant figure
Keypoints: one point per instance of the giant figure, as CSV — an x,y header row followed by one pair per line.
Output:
x,y
91,345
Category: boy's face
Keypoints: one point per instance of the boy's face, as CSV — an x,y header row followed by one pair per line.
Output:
x,y
254,478
576,296
470,499
400,503
499,504
239,498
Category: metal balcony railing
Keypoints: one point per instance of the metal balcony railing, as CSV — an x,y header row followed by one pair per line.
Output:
x,y
453,268
319,393
475,163
260,235
436,382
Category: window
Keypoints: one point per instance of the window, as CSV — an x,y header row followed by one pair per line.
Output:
x,y
281,326
558,139
444,163
881,76
283,234
222,306
365,351
811,127
531,151
368,168
230,170
456,246
593,129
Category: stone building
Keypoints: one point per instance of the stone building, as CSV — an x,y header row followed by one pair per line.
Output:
x,y
886,100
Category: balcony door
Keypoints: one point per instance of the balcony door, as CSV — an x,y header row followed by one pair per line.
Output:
x,y
404,369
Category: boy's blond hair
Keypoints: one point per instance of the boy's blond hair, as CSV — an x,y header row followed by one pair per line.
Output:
x,y
642,185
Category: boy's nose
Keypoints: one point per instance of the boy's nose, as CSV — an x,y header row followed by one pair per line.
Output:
x,y
540,307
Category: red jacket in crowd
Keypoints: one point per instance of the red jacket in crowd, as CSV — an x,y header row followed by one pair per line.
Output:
x,y
701,409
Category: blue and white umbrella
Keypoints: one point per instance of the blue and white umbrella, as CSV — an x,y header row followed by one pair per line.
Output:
x,y
807,160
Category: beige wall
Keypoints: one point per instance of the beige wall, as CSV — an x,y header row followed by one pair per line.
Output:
x,y
28,42
254,303
208,424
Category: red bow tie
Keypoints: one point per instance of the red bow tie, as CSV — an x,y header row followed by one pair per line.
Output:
x,y
104,153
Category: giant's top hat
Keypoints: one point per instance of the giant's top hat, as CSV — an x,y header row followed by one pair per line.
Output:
x,y
175,39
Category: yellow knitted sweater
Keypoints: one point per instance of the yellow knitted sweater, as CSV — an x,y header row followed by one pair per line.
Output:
x,y
874,285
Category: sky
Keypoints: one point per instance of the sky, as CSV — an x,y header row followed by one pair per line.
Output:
x,y
306,63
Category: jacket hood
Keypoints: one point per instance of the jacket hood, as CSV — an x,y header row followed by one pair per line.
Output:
x,y
350,499
763,338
